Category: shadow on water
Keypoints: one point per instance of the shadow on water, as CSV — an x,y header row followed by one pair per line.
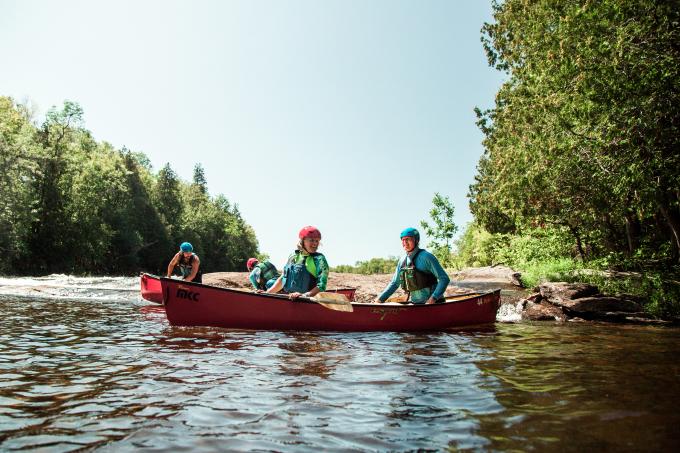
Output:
x,y
583,387
310,355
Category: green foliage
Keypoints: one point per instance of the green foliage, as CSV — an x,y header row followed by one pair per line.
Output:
x,y
584,134
442,229
547,246
476,247
372,266
73,205
548,254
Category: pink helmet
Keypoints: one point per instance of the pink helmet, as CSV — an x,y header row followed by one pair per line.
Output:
x,y
251,263
310,232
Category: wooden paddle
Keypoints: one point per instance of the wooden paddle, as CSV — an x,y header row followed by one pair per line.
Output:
x,y
401,299
333,301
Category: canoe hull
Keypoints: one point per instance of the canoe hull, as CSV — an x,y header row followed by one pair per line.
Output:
x,y
194,304
150,288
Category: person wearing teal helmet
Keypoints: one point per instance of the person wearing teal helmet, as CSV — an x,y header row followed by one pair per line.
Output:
x,y
187,264
419,273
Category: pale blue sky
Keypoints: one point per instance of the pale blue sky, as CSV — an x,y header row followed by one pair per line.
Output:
x,y
347,115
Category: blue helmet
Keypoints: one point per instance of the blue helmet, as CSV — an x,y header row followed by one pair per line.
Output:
x,y
186,247
412,232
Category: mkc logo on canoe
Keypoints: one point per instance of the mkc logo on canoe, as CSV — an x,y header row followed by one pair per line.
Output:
x,y
183,292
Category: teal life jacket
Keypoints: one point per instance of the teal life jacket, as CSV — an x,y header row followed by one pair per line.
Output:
x,y
296,276
412,278
267,272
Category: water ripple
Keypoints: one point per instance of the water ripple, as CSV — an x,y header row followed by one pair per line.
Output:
x,y
106,371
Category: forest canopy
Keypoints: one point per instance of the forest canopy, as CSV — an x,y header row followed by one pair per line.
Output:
x,y
584,135
71,204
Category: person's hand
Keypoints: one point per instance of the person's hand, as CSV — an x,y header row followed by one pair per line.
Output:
x,y
293,296
430,301
258,291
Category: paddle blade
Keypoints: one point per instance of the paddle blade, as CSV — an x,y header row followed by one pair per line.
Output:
x,y
333,301
402,299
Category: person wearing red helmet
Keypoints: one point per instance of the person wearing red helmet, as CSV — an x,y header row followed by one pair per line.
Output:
x,y
306,271
262,275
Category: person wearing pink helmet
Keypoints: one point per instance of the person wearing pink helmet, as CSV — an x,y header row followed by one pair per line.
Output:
x,y
306,271
262,275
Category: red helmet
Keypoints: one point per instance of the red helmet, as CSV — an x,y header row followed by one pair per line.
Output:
x,y
310,232
251,263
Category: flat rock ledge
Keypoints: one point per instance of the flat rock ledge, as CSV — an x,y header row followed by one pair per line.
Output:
x,y
560,301
500,274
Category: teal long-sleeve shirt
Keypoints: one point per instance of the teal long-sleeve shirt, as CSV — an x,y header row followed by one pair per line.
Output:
x,y
427,262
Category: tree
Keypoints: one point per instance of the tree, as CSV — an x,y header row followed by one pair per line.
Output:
x,y
199,179
443,228
48,243
584,132
19,167
168,202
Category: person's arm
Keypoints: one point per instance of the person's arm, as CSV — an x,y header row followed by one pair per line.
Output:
x,y
277,286
392,287
254,278
433,266
173,263
194,269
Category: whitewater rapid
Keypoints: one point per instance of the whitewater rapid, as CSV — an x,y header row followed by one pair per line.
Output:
x,y
61,286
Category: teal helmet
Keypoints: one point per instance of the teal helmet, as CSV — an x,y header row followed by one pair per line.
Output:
x,y
410,232
186,247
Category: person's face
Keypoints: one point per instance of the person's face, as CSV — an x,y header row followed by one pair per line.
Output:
x,y
186,254
408,243
311,244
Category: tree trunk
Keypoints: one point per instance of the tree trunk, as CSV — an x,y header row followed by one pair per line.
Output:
x,y
632,232
673,221
579,244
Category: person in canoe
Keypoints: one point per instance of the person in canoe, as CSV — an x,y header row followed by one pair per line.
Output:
x,y
262,275
186,262
306,271
419,273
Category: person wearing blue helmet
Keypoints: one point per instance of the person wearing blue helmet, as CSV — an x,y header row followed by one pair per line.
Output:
x,y
186,263
419,273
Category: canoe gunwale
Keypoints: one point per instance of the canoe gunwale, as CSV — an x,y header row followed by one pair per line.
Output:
x,y
310,301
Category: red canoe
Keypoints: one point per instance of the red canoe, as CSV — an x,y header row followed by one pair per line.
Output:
x,y
151,289
194,304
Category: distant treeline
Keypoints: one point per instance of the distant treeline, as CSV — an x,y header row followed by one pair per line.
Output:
x,y
69,204
372,266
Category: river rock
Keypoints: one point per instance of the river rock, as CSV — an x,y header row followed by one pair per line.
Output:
x,y
600,304
489,273
542,312
559,292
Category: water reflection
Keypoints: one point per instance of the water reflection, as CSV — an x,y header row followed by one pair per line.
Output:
x,y
597,386
309,355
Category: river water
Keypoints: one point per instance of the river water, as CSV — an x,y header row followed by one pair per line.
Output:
x,y
85,364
